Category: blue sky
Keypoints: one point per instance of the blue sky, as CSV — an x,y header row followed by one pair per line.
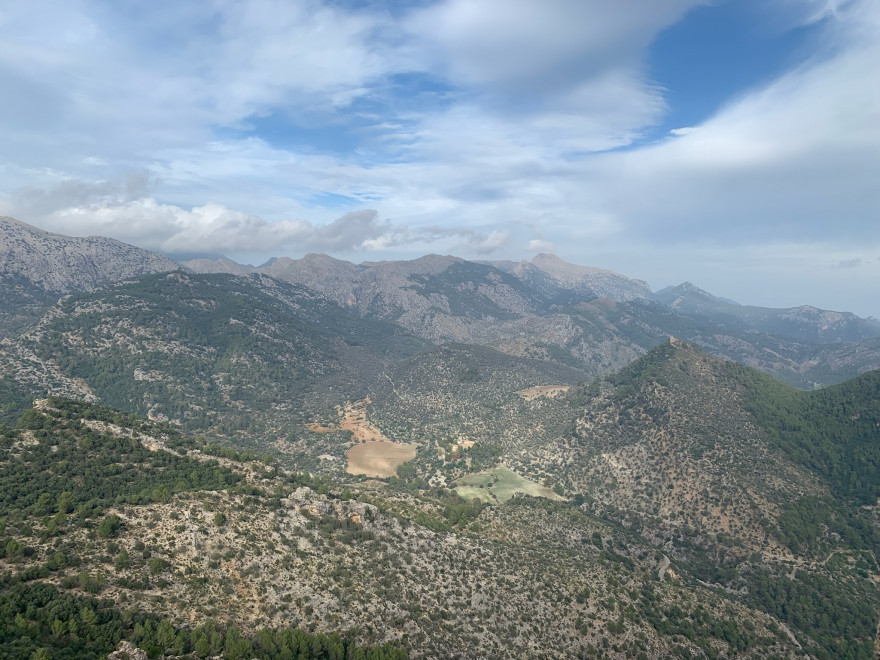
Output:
x,y
733,144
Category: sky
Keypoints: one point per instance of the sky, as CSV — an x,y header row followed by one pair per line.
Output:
x,y
734,144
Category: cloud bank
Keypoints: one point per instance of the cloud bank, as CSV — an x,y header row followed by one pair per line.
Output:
x,y
483,128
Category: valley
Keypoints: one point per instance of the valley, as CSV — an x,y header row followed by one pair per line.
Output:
x,y
427,459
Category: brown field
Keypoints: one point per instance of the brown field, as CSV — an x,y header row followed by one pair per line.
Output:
x,y
352,417
532,393
378,459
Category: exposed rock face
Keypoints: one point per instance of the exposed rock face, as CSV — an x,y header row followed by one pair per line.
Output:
x,y
437,297
128,651
588,318
61,264
222,265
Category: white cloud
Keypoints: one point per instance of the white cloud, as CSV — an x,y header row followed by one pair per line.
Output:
x,y
569,70
116,82
550,46
529,96
798,157
216,228
538,245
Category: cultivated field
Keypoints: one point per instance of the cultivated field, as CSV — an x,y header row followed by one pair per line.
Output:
x,y
500,484
532,393
378,459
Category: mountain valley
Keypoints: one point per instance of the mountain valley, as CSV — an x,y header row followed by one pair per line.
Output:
x,y
430,459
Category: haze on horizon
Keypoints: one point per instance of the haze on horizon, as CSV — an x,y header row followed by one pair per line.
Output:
x,y
732,144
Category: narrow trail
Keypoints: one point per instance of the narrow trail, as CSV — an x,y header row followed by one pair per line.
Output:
x,y
664,564
393,388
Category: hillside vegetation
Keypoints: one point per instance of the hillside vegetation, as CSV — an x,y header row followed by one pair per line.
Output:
x,y
375,564
433,458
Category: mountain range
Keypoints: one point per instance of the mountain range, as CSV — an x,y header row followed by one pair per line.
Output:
x,y
588,318
436,458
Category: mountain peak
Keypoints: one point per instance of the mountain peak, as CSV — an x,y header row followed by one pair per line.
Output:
x,y
61,264
599,281
554,265
688,297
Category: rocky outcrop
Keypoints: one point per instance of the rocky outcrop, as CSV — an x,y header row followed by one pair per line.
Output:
x,y
63,264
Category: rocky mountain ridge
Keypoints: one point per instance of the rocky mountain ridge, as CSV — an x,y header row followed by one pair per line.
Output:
x,y
61,264
589,319
804,323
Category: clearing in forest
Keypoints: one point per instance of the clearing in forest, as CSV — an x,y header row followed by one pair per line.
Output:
x,y
378,459
532,393
498,485
352,417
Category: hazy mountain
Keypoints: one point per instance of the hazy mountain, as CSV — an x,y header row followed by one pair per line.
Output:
x,y
573,277
205,265
803,323
587,318
689,298
440,298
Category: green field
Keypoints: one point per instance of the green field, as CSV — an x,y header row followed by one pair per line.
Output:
x,y
498,485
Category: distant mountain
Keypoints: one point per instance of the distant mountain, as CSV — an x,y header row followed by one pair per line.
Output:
x,y
61,264
577,278
440,298
218,265
803,323
589,319
689,298
37,266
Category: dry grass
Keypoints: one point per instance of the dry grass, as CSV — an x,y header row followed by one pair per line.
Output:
x,y
378,459
353,418
532,393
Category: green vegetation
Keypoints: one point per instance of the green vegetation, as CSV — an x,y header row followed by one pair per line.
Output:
x,y
213,349
838,616
813,525
57,465
651,367
499,485
834,431
15,400
37,620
